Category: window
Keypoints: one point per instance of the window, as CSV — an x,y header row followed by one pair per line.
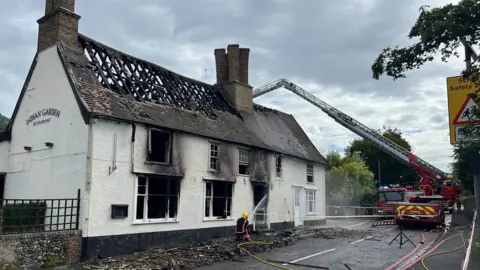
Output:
x,y
214,161
311,201
243,162
278,166
218,199
309,173
157,199
159,146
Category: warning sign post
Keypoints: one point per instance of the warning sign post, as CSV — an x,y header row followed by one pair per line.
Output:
x,y
461,107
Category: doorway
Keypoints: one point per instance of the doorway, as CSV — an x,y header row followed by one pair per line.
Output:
x,y
297,206
2,186
259,191
260,207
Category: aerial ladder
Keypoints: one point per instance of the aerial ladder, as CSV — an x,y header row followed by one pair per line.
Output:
x,y
432,178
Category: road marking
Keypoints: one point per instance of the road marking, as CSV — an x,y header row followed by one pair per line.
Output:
x,y
358,224
330,250
310,256
370,237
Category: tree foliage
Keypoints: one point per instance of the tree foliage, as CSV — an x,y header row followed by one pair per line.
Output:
x,y
460,165
392,171
439,32
3,122
341,181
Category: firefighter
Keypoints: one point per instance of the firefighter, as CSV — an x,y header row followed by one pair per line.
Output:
x,y
241,230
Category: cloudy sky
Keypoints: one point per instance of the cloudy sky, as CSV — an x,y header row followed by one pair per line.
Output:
x,y
325,46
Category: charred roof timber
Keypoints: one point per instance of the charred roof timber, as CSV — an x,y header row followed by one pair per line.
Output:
x,y
144,81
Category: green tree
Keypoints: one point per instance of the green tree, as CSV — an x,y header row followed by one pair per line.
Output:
x,y
342,185
439,31
460,165
392,171
3,122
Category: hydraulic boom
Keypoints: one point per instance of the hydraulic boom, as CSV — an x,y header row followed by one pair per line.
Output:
x,y
423,168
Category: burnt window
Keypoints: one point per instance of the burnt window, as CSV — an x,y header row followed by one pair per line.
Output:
x,y
309,173
157,198
243,162
159,146
278,166
218,199
214,161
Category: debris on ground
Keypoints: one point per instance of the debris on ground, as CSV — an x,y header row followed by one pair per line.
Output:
x,y
213,251
332,233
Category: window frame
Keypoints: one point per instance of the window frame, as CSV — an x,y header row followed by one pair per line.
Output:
x,y
217,169
308,200
145,219
169,150
310,173
211,217
278,166
240,162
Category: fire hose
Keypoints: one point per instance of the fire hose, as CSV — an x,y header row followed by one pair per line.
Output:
x,y
252,242
427,255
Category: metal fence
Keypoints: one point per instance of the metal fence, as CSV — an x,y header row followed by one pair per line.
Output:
x,y
43,215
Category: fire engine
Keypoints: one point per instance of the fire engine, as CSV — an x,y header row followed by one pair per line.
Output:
x,y
438,188
389,195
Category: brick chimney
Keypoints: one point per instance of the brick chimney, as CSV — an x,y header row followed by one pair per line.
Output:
x,y
232,75
60,23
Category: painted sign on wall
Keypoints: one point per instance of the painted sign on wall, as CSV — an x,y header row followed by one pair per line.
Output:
x,y
42,116
461,108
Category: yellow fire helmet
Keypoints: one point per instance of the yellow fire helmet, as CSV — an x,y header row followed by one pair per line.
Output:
x,y
245,215
449,176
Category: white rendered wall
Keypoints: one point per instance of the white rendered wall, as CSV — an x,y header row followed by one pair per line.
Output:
x,y
56,172
4,156
119,187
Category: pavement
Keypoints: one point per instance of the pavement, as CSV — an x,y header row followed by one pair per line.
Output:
x,y
370,252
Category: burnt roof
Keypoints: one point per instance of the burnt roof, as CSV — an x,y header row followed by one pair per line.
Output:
x,y
116,85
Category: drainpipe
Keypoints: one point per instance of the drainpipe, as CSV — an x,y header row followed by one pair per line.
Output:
x,y
88,179
132,151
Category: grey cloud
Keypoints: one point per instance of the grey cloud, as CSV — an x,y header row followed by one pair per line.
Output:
x,y
329,43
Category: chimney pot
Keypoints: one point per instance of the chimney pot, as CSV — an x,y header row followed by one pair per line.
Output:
x,y
243,65
221,66
52,5
233,59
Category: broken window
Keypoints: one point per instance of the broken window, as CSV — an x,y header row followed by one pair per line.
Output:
x,y
278,166
243,162
157,198
311,201
309,173
214,161
218,199
159,146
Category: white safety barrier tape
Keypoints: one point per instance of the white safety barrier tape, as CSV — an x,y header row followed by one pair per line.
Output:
x,y
469,249
352,216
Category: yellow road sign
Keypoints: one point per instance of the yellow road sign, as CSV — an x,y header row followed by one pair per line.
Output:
x,y
460,106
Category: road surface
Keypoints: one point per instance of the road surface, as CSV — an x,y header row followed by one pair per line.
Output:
x,y
372,252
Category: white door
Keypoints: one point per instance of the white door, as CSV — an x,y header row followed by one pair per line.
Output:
x,y
297,206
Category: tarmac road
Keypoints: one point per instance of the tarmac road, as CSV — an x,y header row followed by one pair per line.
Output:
x,y
371,253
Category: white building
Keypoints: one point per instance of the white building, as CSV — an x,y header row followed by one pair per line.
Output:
x,y
159,158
